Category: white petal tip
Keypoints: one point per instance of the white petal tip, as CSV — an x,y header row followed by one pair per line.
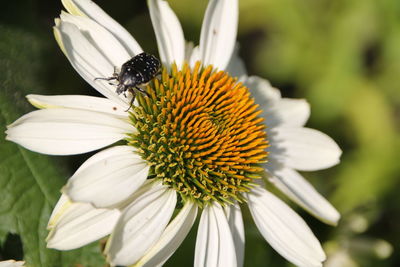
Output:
x,y
285,230
304,149
332,218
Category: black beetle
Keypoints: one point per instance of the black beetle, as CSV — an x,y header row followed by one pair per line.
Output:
x,y
137,71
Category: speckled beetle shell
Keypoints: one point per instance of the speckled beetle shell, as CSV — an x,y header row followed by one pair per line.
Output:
x,y
137,71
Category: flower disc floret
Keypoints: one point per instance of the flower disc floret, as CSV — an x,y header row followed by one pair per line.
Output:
x,y
201,133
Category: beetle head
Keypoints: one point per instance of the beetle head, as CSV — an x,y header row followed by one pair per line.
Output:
x,y
127,79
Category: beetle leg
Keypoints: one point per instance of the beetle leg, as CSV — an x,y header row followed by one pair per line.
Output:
x,y
142,91
133,98
106,79
159,72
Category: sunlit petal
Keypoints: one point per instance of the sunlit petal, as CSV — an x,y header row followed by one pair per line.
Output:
x,y
171,238
141,225
119,170
301,191
284,230
303,148
169,34
214,242
74,225
218,33
90,9
67,131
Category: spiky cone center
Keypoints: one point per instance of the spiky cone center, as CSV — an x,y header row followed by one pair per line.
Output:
x,y
200,131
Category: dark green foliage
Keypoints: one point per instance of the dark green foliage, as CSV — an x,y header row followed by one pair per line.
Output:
x,y
30,183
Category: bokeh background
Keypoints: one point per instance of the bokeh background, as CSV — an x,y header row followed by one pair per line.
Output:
x,y
343,56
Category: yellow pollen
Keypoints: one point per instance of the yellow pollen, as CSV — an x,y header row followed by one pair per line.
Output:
x,y
200,131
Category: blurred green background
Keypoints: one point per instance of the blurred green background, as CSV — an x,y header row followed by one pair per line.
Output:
x,y
343,56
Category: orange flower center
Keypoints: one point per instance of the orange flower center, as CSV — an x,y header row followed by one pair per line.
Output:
x,y
201,133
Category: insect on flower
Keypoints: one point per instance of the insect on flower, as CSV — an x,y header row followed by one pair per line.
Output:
x,y
200,145
137,71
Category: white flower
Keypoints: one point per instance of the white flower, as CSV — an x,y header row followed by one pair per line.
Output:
x,y
197,140
12,263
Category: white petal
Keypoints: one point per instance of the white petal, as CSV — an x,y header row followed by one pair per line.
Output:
x,y
235,220
169,34
76,224
262,91
105,42
58,211
214,242
87,59
287,112
277,111
303,148
67,131
91,103
12,263
109,177
172,237
93,11
189,46
236,67
218,32
206,237
284,230
194,56
292,184
141,225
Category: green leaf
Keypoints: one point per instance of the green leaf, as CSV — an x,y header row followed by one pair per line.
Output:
x,y
30,183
